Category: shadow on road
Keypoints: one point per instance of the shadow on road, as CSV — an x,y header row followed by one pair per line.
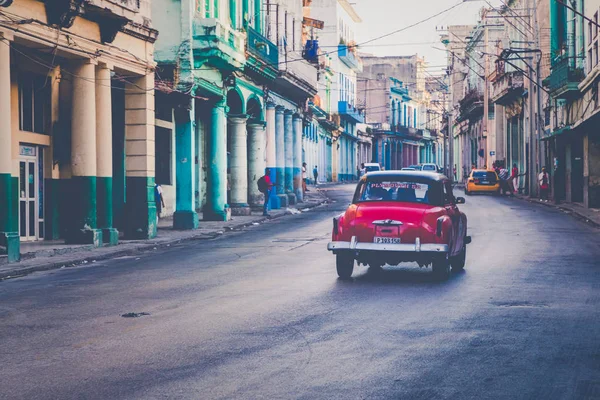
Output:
x,y
400,275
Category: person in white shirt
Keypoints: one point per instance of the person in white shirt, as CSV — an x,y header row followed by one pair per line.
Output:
x,y
544,182
304,178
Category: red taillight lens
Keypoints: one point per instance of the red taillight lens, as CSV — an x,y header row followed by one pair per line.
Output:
x,y
475,180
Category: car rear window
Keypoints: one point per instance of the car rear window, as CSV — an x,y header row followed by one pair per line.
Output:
x,y
372,168
401,191
485,175
429,168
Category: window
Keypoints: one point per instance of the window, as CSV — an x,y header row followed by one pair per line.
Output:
x,y
34,99
595,25
163,156
400,190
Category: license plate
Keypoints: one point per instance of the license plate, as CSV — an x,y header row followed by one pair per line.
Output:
x,y
386,240
485,182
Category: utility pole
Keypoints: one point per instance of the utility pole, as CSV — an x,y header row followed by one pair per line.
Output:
x,y
484,132
531,165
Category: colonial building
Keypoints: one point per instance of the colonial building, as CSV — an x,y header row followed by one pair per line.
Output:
x,y
246,83
573,150
77,134
397,104
339,91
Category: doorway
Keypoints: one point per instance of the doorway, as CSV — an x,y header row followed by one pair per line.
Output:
x,y
577,170
31,192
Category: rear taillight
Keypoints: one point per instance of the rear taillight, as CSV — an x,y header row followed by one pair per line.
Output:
x,y
475,180
336,225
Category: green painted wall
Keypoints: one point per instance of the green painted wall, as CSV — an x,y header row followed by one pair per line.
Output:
x,y
52,196
140,208
6,195
104,198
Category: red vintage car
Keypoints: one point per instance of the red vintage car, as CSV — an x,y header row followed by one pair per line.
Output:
x,y
401,216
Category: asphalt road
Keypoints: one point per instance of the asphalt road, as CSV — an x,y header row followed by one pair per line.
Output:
x,y
261,314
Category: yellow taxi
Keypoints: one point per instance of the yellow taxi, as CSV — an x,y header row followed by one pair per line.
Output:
x,y
482,181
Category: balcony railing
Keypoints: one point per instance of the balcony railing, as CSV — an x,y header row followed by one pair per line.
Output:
x,y
506,87
349,58
346,110
564,78
219,42
262,48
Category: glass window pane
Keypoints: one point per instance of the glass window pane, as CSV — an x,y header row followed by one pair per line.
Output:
x,y
22,180
39,104
41,229
31,218
31,180
26,104
23,218
41,182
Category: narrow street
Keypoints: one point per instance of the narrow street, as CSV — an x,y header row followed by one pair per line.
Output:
x,y
261,314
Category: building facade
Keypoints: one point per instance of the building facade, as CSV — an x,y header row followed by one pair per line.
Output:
x,y
77,140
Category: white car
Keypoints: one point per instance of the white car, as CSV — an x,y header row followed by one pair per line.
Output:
x,y
430,167
372,167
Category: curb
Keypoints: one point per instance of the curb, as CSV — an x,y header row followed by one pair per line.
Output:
x,y
573,213
136,248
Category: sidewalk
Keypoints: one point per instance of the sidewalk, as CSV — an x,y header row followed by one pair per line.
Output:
x,y
588,215
47,255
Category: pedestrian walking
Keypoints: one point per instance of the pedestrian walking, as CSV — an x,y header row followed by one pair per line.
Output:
x,y
363,170
265,186
544,181
514,176
454,172
159,200
316,174
304,179
505,182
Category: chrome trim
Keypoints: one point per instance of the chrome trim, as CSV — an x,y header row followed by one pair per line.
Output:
x,y
406,247
387,222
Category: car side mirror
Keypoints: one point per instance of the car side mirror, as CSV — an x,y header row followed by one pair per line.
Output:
x,y
460,200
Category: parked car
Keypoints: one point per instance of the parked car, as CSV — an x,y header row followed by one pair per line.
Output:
x,y
372,167
429,167
416,167
482,181
401,216
408,169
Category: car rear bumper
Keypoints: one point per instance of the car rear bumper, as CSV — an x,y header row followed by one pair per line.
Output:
x,y
416,247
483,188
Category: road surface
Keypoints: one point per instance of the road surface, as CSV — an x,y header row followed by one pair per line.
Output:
x,y
260,314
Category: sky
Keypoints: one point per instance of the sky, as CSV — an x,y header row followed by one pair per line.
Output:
x,y
384,16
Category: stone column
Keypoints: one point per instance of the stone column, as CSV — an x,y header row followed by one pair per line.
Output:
x,y
289,157
272,153
9,195
185,216
104,167
140,210
82,228
238,164
280,157
256,162
297,163
216,199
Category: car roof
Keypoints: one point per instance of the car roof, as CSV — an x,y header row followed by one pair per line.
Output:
x,y
482,170
433,176
371,164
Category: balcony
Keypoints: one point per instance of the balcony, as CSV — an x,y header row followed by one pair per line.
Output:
x,y
347,111
218,44
564,79
262,55
507,87
297,75
348,57
471,106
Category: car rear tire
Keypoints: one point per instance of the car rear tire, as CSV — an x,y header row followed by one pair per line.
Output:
x,y
441,267
458,262
344,264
